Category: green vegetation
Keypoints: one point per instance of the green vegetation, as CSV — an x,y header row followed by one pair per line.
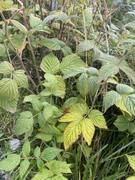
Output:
x,y
67,89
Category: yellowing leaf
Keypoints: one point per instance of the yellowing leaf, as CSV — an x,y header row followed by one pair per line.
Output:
x,y
88,130
69,117
131,160
131,178
79,107
98,119
120,104
72,131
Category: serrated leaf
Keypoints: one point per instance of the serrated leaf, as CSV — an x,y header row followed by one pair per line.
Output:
x,y
121,123
121,104
35,22
6,68
58,167
8,94
72,65
85,45
105,72
55,85
50,64
37,152
19,26
50,153
80,107
43,175
83,84
110,98
34,100
59,177
71,133
93,85
72,116
20,78
124,89
51,43
131,160
26,148
88,130
98,119
23,168
130,103
10,163
24,123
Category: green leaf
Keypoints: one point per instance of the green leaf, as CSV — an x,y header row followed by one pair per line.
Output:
x,y
130,103
105,72
85,45
71,133
19,26
6,68
18,41
52,44
131,160
35,22
8,88
50,112
50,153
24,123
122,123
124,89
10,163
88,130
43,175
34,100
20,78
50,64
23,168
127,70
37,152
83,85
59,177
97,119
3,51
58,167
110,98
8,94
26,148
72,65
72,116
55,85
44,137
93,85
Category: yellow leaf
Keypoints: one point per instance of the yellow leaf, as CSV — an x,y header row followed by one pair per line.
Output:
x,y
88,130
131,178
72,131
120,104
69,117
98,119
131,160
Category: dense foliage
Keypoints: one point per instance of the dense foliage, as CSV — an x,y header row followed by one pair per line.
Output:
x,y
67,94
